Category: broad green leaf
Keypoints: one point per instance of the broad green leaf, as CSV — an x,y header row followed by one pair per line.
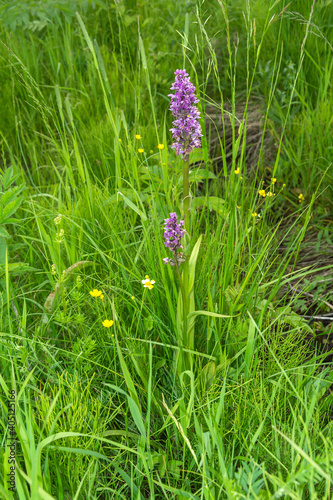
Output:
x,y
19,267
129,203
134,409
201,175
208,313
190,291
3,234
189,341
7,178
10,195
11,207
148,323
212,203
192,263
11,220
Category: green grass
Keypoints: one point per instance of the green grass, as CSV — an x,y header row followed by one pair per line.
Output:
x,y
107,413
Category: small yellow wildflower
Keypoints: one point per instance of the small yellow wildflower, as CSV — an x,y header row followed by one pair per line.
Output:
x,y
148,283
270,194
238,206
254,214
273,179
160,146
95,293
101,297
140,150
300,198
138,136
107,323
262,193
119,140
133,298
237,171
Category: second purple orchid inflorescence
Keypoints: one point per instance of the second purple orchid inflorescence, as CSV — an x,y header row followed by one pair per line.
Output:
x,y
173,233
186,129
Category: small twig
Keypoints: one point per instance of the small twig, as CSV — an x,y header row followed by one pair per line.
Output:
x,y
296,289
319,318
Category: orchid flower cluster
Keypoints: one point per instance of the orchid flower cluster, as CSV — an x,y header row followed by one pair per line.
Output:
x,y
173,234
186,129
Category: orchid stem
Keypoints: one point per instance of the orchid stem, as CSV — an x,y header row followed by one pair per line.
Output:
x,y
184,306
186,201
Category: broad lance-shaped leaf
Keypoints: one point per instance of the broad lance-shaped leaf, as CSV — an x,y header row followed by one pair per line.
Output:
x,y
208,313
212,203
10,195
129,203
189,342
10,209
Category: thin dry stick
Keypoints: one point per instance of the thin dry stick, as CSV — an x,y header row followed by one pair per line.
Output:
x,y
297,289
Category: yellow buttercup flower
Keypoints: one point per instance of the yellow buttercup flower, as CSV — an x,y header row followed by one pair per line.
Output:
x,y
273,180
254,214
300,198
238,206
101,297
133,298
107,323
95,293
262,192
160,146
237,171
148,283
270,194
138,136
140,150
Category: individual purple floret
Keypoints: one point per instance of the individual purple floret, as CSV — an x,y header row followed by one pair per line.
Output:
x,y
173,234
186,129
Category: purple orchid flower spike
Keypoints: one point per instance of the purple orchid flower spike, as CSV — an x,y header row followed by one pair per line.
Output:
x,y
173,233
186,129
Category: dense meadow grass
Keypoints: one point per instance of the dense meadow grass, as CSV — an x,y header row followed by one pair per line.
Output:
x,y
242,407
